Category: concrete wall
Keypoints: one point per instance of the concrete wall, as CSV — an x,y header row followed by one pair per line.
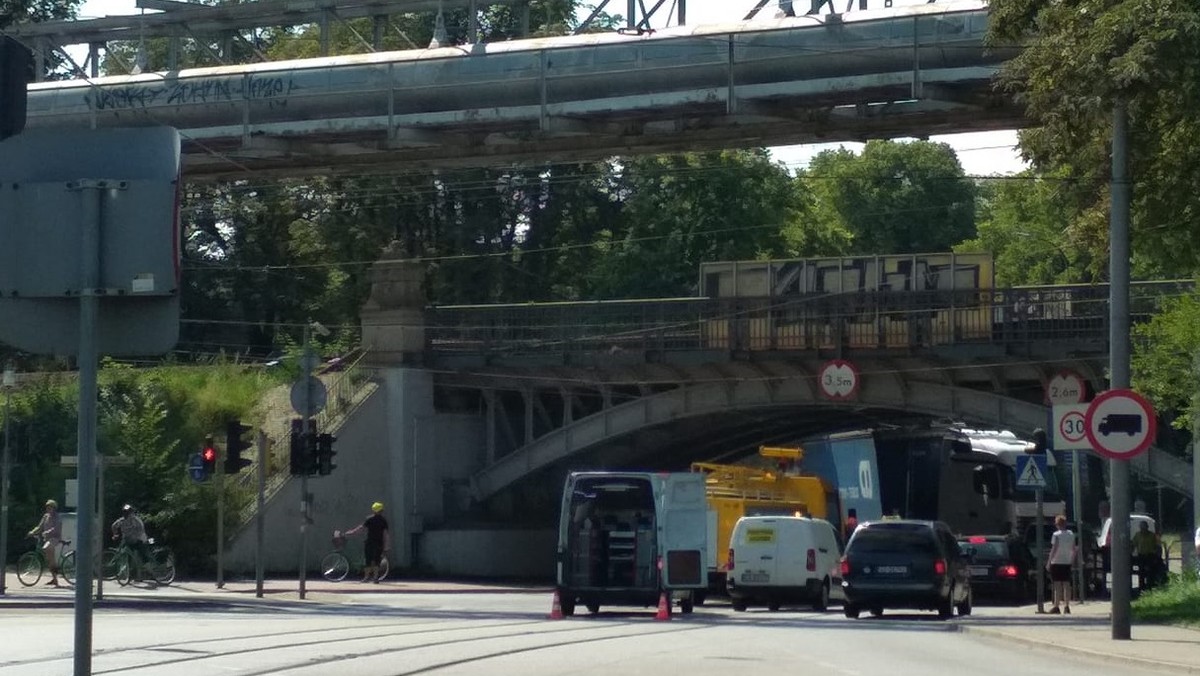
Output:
x,y
490,553
340,500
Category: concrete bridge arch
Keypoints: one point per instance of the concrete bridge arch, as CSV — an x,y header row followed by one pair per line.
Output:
x,y
701,401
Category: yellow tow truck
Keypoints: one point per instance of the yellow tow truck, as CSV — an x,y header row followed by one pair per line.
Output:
x,y
734,491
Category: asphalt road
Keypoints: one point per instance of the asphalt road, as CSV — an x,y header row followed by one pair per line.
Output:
x,y
490,634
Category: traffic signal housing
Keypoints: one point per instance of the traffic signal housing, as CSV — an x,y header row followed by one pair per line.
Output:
x,y
234,445
303,447
325,454
16,62
208,456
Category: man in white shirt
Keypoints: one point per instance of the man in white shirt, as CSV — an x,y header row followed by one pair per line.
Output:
x,y
1063,551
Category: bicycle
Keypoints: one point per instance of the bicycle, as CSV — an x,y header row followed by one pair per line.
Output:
x,y
118,564
32,565
336,565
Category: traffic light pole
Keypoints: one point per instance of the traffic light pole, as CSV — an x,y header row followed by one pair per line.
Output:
x,y
304,503
1118,360
259,517
220,524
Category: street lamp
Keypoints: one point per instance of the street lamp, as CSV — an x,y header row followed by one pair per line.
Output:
x,y
8,382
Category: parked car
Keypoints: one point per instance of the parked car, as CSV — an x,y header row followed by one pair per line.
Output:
x,y
905,564
1001,567
777,560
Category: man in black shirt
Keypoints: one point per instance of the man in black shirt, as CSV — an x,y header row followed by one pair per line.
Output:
x,y
378,541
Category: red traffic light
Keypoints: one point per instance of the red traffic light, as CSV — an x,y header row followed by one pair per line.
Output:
x,y
209,454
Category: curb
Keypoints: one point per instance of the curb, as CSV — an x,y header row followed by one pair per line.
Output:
x,y
1001,635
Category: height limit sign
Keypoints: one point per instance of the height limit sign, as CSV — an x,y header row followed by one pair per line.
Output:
x,y
1070,427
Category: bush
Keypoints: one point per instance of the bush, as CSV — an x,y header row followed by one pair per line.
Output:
x,y
1178,602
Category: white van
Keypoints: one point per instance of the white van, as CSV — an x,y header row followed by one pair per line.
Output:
x,y
784,559
626,538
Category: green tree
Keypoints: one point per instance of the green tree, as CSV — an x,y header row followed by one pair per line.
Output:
x,y
1166,359
1021,222
894,197
1080,57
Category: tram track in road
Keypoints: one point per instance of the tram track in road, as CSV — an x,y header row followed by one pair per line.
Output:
x,y
347,659
409,629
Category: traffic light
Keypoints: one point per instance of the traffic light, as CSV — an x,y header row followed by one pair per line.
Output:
x,y
234,445
1039,442
325,454
303,447
16,61
208,456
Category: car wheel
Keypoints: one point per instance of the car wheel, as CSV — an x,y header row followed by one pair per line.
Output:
x,y
698,598
821,604
964,608
773,606
851,611
593,608
877,611
566,604
740,605
945,607
686,605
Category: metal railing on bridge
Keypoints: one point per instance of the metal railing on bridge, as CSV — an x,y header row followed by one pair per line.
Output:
x,y
869,320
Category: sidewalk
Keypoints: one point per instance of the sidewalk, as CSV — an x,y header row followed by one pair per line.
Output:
x,y
1088,631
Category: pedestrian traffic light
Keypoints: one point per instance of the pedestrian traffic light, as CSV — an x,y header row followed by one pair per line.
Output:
x,y
16,61
234,445
208,455
325,454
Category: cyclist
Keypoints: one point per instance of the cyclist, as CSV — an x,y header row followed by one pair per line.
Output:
x,y
130,530
50,530
377,541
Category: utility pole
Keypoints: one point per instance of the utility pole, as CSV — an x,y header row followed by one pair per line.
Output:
x,y
259,517
1118,360
220,485
305,502
10,380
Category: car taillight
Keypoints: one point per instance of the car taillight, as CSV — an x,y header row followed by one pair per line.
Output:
x,y
845,566
811,562
729,561
1006,571
939,567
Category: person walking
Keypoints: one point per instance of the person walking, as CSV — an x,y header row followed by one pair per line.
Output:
x,y
50,530
1145,555
1063,550
378,541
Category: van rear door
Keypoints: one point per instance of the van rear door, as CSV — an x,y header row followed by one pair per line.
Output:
x,y
683,530
756,551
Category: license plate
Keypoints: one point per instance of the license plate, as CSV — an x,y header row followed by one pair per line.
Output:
x,y
755,576
980,571
892,570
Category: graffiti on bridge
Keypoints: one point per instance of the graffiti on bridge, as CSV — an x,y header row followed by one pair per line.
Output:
x,y
273,89
788,7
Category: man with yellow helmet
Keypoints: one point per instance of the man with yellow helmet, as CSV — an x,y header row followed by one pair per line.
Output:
x,y
378,541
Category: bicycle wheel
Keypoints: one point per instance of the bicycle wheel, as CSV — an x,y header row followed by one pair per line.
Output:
x,y
383,568
30,568
163,565
335,566
108,563
124,568
66,567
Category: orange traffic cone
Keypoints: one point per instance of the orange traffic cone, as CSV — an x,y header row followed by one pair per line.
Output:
x,y
556,612
664,607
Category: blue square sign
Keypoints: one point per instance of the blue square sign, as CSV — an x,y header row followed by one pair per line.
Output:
x,y
1031,471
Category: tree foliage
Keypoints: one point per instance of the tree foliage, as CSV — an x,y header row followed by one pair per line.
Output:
x,y
893,197
1082,57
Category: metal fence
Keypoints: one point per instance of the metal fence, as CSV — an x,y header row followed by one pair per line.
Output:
x,y
900,320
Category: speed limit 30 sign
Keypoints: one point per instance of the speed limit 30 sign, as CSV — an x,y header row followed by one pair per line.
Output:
x,y
1070,427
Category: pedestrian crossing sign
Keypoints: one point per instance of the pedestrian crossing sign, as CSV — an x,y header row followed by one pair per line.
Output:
x,y
1031,471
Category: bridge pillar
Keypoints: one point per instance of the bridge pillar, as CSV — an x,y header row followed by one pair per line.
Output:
x,y
393,318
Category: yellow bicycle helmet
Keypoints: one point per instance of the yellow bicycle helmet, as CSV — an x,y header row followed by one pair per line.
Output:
x,y
377,507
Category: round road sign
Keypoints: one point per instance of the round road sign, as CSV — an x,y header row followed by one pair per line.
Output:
x,y
1073,427
1066,387
839,379
1120,424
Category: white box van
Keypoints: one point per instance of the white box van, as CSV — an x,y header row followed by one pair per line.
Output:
x,y
627,537
775,560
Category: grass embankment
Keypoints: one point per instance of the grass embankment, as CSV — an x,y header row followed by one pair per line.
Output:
x,y
1176,603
